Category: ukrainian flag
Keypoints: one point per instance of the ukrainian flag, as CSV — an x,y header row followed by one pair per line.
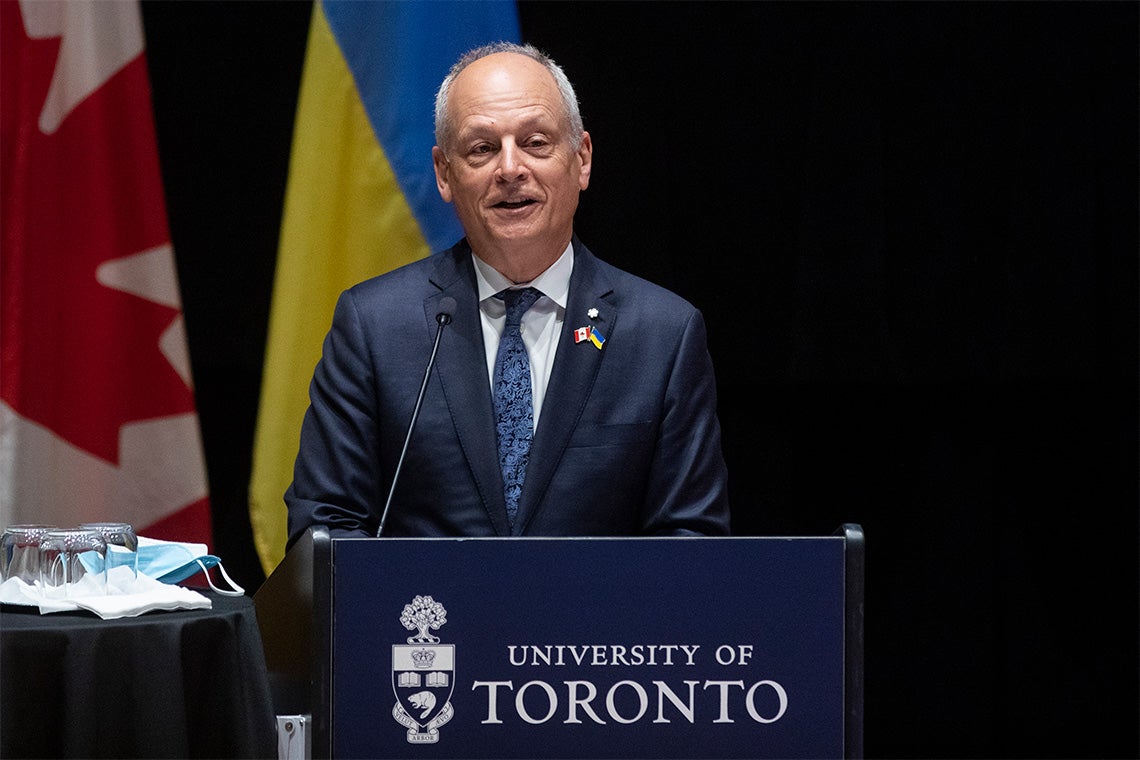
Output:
x,y
361,196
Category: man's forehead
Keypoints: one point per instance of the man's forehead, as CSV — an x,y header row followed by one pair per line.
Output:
x,y
505,91
537,116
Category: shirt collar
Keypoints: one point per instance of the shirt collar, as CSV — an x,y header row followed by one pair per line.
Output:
x,y
554,283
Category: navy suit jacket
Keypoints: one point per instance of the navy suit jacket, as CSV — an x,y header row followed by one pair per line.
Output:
x,y
628,442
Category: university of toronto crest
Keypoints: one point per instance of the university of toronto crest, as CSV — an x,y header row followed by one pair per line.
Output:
x,y
423,673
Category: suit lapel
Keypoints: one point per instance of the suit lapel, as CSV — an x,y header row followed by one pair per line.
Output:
x,y
461,366
571,380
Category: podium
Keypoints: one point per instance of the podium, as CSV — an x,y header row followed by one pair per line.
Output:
x,y
570,647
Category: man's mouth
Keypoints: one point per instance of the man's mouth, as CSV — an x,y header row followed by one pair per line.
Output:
x,y
515,204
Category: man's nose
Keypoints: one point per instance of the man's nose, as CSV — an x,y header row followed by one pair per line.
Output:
x,y
512,162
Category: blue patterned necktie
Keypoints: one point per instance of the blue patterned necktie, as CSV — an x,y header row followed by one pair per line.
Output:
x,y
514,411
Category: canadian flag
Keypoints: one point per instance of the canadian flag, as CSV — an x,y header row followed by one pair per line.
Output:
x,y
97,413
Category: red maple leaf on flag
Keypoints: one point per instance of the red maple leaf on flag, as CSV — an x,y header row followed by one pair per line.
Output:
x,y
67,337
90,316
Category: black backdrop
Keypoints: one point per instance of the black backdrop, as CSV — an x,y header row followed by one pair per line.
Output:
x,y
913,230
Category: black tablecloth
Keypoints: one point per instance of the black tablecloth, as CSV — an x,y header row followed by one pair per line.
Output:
x,y
189,683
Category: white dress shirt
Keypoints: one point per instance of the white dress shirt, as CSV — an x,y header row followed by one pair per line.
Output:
x,y
541,325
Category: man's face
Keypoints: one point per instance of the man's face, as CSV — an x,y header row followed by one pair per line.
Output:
x,y
510,170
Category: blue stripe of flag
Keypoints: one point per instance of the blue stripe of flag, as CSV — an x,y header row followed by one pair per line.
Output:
x,y
398,53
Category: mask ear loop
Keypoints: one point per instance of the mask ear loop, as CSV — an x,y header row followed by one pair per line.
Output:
x,y
239,591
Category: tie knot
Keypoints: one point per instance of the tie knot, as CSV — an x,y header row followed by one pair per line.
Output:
x,y
517,303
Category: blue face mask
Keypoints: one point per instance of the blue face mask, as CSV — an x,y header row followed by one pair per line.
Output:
x,y
175,561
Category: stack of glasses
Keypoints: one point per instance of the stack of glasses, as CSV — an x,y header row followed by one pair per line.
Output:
x,y
70,562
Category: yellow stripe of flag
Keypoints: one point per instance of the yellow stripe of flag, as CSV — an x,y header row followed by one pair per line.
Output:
x,y
347,217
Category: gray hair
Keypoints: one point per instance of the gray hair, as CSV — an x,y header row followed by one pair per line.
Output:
x,y
444,124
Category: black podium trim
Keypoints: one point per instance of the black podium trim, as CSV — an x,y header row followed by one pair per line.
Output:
x,y
294,610
854,555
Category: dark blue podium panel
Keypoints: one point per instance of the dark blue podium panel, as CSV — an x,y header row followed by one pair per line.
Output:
x,y
599,648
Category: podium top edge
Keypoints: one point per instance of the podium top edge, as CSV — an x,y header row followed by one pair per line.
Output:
x,y
835,537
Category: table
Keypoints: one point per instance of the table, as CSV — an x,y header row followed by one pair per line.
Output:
x,y
188,683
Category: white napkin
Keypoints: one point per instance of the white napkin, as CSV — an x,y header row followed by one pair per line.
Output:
x,y
126,596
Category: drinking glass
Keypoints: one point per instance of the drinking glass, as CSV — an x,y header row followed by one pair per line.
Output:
x,y
73,562
122,547
20,552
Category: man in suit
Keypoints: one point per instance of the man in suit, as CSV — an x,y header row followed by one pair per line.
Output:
x,y
616,432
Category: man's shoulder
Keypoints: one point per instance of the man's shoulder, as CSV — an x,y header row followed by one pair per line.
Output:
x,y
414,274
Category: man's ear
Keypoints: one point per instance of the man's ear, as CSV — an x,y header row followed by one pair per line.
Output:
x,y
585,158
442,181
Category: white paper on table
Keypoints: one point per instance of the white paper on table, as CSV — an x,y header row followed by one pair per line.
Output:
x,y
126,596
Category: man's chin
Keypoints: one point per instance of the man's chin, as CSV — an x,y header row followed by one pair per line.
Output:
x,y
516,242
504,221
513,232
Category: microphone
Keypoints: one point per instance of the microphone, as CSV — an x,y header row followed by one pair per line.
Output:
x,y
442,319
